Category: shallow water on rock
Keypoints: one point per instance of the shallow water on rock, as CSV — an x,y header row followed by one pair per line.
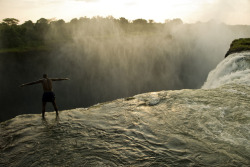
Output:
x,y
203,127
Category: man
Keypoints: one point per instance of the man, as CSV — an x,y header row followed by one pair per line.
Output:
x,y
48,94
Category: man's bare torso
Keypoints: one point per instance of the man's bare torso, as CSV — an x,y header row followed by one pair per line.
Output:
x,y
47,85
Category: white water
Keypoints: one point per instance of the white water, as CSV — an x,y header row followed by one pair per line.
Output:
x,y
235,69
203,127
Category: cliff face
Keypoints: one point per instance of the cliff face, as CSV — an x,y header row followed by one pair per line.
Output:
x,y
239,45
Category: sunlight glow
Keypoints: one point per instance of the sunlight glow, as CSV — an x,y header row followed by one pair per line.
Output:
x,y
157,10
228,11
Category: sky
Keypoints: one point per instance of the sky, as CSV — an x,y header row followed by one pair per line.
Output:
x,y
190,11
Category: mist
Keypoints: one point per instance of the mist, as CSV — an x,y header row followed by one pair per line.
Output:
x,y
106,61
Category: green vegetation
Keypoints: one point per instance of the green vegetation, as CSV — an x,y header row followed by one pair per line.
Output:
x,y
239,45
46,34
25,49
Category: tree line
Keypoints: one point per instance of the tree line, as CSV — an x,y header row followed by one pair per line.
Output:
x,y
46,31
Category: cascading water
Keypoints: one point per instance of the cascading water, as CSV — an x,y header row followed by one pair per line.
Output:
x,y
233,69
202,127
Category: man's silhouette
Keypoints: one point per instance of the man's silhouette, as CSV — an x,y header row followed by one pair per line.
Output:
x,y
48,94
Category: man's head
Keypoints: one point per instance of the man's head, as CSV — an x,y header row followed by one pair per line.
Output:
x,y
45,75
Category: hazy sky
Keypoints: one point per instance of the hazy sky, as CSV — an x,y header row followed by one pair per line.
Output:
x,y
227,11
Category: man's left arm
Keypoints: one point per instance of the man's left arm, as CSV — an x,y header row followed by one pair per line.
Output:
x,y
59,79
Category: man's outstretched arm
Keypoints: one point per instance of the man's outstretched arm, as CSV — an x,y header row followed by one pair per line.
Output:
x,y
59,79
31,83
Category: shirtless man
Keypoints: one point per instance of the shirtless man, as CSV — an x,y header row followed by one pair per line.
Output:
x,y
48,94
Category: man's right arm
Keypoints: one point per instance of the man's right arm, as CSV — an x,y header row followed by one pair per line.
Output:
x,y
59,79
31,83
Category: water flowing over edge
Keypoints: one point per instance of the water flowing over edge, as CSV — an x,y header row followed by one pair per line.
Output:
x,y
203,127
233,69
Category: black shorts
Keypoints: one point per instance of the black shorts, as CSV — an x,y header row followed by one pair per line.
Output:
x,y
48,97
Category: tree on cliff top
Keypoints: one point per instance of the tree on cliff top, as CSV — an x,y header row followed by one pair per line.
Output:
x,y
10,21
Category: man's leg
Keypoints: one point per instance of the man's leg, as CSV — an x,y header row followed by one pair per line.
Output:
x,y
55,107
43,110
